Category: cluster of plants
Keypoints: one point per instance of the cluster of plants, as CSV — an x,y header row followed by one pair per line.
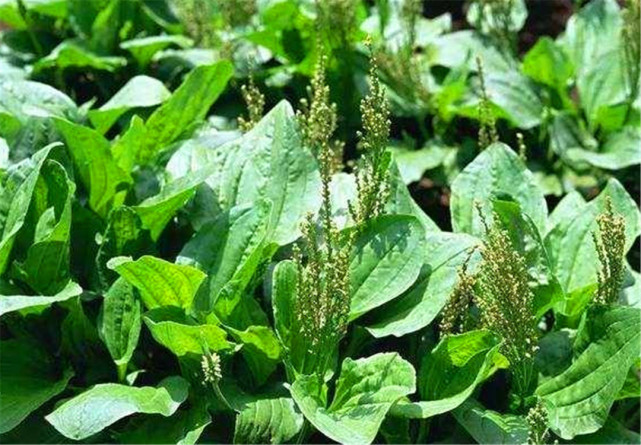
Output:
x,y
210,227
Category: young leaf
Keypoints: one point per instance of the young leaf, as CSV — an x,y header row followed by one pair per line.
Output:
x,y
496,172
155,212
120,322
171,328
580,398
365,391
106,403
30,377
387,259
160,282
144,48
46,265
284,284
18,204
260,349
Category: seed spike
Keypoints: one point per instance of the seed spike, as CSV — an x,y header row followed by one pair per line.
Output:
x,y
610,248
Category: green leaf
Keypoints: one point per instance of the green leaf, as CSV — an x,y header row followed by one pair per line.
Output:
x,y
591,33
30,377
23,180
569,135
261,350
138,92
487,426
602,85
155,212
104,404
418,306
229,249
187,105
514,95
620,150
160,282
548,64
386,260
12,303
269,420
612,432
569,243
45,267
144,48
120,322
171,328
125,147
413,163
365,391
580,399
96,167
451,373
401,202
269,162
495,172
73,54
183,428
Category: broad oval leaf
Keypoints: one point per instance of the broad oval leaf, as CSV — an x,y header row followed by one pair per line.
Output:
x,y
365,391
419,305
569,243
160,282
451,373
269,420
386,260
496,172
229,249
579,400
171,328
138,92
106,403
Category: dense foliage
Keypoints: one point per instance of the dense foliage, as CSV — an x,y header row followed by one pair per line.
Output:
x,y
273,221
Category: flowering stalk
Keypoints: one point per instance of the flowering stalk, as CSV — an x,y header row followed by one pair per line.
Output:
x,y
323,298
610,248
507,303
455,311
373,172
318,121
212,374
255,101
537,420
